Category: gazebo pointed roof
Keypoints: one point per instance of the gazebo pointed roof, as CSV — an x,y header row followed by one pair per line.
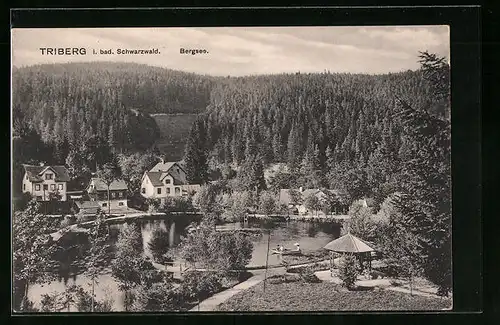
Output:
x,y
348,244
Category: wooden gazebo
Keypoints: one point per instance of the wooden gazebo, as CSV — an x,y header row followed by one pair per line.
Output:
x,y
349,244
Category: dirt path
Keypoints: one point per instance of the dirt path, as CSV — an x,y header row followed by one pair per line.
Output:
x,y
211,303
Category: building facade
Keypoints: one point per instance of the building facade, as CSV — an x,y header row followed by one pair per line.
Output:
x,y
97,191
166,179
45,183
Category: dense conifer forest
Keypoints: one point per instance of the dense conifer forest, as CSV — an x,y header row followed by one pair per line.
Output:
x,y
323,124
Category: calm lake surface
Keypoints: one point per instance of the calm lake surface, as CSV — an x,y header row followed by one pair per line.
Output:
x,y
310,235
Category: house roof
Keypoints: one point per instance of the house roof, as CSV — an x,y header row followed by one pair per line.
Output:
x,y
156,178
165,166
87,207
116,185
35,173
348,244
176,175
86,204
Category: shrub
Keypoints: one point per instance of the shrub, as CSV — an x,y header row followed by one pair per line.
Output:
x,y
68,221
82,218
200,285
158,245
84,302
348,271
28,306
216,250
307,275
284,278
152,204
21,202
318,266
138,202
160,296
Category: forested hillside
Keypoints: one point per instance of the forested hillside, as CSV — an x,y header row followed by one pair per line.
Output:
x,y
81,113
385,137
174,130
327,127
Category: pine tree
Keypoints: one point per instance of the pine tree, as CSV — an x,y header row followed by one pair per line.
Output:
x,y
330,159
426,191
251,177
276,146
293,148
112,143
195,157
425,200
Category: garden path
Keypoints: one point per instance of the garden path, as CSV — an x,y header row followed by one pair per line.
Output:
x,y
211,303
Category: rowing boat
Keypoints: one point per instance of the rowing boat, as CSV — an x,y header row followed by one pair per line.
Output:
x,y
286,252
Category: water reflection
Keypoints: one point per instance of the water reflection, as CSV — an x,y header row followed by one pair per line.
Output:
x,y
310,236
312,229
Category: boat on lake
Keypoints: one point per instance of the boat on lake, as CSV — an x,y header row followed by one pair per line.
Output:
x,y
286,252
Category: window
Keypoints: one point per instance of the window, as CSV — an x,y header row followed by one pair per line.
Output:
x,y
147,181
104,204
168,191
39,198
26,176
120,194
52,187
60,186
37,187
159,190
167,181
113,195
48,176
120,203
177,191
45,187
143,190
24,187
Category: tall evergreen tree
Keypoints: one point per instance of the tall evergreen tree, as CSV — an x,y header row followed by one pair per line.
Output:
x,y
425,201
195,157
426,191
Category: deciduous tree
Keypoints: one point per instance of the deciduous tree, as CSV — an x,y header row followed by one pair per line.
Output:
x,y
98,252
33,248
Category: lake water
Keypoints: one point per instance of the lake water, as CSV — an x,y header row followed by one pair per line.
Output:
x,y
311,237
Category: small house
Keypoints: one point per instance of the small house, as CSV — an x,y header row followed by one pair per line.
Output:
x,y
45,182
97,191
166,179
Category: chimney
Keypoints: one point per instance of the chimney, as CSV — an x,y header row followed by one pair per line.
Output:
x,y
162,160
301,189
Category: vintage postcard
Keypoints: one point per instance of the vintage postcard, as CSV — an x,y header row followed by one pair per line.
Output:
x,y
236,169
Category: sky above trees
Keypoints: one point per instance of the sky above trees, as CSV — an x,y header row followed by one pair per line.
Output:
x,y
241,51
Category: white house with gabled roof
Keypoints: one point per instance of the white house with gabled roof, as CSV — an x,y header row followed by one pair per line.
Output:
x,y
44,182
166,179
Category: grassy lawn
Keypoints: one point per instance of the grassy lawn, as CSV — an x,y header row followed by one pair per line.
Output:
x,y
300,296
